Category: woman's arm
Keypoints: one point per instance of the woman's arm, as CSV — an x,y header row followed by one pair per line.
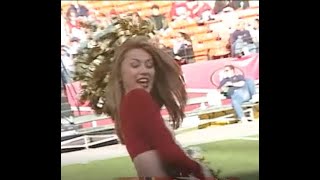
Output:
x,y
142,115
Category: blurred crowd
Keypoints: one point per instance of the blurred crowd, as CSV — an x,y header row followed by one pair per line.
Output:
x,y
242,37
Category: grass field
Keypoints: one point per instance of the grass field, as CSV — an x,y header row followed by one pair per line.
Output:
x,y
238,158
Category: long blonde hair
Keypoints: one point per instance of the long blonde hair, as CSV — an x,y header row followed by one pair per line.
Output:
x,y
168,88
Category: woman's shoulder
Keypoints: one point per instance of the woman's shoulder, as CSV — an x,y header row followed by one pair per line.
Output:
x,y
137,104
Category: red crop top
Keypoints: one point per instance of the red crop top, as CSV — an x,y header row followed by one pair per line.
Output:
x,y
144,129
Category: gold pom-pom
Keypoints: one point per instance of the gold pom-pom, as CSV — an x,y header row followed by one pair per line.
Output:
x,y
94,60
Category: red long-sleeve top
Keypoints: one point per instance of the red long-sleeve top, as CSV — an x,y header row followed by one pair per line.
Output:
x,y
144,129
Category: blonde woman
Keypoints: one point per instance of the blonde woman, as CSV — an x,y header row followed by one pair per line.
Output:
x,y
143,79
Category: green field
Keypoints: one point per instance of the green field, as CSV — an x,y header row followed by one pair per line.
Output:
x,y
238,158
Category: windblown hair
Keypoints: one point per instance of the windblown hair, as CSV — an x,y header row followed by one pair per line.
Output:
x,y
98,64
168,89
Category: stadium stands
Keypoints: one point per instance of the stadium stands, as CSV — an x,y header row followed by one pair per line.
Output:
x,y
205,42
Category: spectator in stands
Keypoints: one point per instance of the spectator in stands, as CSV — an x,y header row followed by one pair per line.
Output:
x,y
254,32
183,49
238,89
80,10
241,40
159,20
